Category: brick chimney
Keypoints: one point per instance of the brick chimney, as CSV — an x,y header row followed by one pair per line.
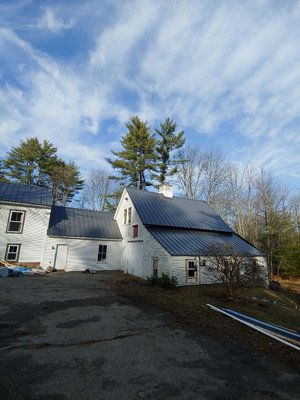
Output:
x,y
166,190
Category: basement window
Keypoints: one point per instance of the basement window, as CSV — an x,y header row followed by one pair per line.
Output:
x,y
15,221
12,252
102,252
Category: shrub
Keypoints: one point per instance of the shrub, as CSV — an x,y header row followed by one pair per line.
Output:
x,y
165,281
153,280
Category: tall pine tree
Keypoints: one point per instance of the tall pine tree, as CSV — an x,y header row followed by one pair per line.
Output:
x,y
138,159
168,140
35,163
29,162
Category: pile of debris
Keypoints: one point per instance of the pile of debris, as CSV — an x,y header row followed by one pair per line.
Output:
x,y
10,270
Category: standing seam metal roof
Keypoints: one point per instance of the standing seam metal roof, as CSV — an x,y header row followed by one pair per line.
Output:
x,y
156,209
74,222
182,242
25,194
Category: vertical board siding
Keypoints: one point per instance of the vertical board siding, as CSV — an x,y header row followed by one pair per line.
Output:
x,y
33,236
83,254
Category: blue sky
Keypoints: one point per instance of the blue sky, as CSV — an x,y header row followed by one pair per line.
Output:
x,y
228,72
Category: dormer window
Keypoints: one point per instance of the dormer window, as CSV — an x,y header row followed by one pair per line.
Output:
x,y
125,216
15,221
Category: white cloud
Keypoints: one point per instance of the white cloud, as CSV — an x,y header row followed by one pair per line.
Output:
x,y
205,64
53,22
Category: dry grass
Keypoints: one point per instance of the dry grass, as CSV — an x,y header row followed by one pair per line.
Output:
x,y
291,285
189,306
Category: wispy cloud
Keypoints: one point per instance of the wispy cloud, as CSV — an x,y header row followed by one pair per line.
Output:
x,y
226,71
53,22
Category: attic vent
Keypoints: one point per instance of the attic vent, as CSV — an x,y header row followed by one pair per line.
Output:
x,y
166,190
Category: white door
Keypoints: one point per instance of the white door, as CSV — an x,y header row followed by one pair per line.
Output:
x,y
61,256
135,262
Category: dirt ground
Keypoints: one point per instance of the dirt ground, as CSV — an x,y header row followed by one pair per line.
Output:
x,y
189,304
76,336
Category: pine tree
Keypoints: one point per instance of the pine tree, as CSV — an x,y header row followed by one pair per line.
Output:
x,y
65,181
167,142
2,177
138,158
35,163
29,162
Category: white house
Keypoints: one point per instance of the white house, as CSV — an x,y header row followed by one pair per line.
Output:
x,y
150,233
162,233
24,219
78,239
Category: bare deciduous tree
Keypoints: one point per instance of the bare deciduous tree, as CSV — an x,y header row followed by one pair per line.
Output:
x,y
232,268
98,188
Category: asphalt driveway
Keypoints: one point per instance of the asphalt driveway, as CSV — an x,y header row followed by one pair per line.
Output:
x,y
71,336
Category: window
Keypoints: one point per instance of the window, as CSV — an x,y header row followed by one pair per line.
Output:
x,y
155,266
191,269
129,215
16,221
255,269
125,216
135,232
12,252
102,252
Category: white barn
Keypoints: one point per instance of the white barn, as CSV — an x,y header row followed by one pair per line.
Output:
x,y
150,233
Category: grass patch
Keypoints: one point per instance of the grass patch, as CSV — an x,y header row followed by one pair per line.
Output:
x,y
189,306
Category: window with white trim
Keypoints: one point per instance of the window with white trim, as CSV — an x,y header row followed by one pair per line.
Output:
x,y
155,266
102,252
129,214
125,216
15,221
12,252
191,269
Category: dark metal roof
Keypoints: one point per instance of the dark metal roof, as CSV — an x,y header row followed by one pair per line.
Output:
x,y
183,242
74,222
17,193
156,209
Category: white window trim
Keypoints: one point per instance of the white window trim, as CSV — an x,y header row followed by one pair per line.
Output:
x,y
23,212
155,260
18,245
105,260
191,278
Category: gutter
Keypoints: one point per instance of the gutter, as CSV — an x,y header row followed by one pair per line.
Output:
x,y
283,337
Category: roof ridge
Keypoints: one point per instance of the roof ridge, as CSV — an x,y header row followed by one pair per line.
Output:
x,y
84,209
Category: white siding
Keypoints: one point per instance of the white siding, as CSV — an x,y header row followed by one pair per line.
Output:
x,y
33,236
178,269
83,253
155,249
138,252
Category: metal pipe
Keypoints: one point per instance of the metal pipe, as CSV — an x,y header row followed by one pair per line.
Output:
x,y
254,327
